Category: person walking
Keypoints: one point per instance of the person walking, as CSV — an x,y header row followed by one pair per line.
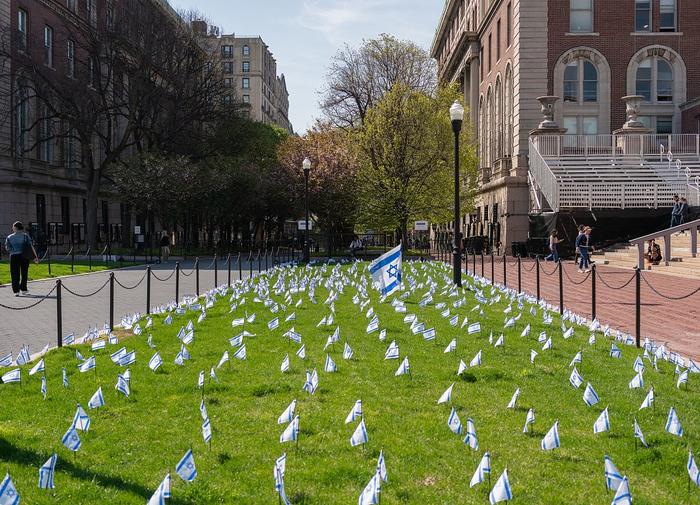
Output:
x,y
676,211
164,247
553,252
583,244
577,253
21,250
683,211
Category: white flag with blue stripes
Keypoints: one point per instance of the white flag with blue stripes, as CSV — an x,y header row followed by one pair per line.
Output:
x,y
186,468
46,473
386,271
8,492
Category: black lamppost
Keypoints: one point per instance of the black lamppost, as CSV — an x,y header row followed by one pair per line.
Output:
x,y
457,116
306,165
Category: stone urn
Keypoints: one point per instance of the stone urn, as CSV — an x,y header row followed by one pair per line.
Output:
x,y
633,104
547,107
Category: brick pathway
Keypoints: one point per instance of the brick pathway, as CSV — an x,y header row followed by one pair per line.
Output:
x,y
37,326
674,322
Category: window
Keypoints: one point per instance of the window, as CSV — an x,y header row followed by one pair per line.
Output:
x,y
227,51
110,17
48,46
655,80
228,82
246,51
91,72
228,67
70,57
45,134
72,5
664,125
482,63
227,100
498,40
581,16
71,153
590,125
667,16
65,213
642,15
41,211
509,25
246,83
22,30
246,66
91,12
246,98
580,82
490,49
21,120
581,125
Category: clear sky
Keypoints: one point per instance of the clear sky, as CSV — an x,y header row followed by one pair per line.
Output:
x,y
303,35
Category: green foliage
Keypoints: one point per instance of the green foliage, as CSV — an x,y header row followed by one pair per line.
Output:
x,y
407,169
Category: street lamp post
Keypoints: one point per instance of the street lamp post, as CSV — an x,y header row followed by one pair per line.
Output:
x,y
457,116
306,165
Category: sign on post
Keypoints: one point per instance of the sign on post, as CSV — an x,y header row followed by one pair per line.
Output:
x,y
421,226
302,224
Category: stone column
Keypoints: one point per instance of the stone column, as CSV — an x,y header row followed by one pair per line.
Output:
x,y
474,89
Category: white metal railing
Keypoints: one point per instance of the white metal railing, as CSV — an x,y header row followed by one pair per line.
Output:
x,y
667,234
617,146
544,177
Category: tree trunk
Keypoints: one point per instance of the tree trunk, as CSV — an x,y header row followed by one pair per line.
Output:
x,y
91,196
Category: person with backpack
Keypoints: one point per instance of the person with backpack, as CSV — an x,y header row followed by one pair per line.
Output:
x,y
21,250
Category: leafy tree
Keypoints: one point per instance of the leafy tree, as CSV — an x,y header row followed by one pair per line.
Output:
x,y
407,169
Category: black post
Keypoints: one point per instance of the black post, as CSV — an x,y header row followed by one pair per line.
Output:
x,y
48,257
638,305
89,252
72,259
216,272
196,267
266,258
505,274
457,245
240,267
250,264
474,261
177,282
537,275
482,262
493,267
111,301
148,289
520,275
561,288
306,166
259,262
593,300
59,315
228,267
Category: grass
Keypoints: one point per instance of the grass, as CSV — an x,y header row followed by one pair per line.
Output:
x,y
133,442
58,269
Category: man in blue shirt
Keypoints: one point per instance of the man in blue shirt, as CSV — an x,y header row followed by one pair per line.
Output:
x,y
20,248
676,212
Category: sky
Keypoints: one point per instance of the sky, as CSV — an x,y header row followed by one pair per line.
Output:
x,y
303,35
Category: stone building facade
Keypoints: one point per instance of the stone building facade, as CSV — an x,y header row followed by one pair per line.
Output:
x,y
590,53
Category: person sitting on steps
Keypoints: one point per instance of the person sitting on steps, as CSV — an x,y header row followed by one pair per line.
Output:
x,y
653,254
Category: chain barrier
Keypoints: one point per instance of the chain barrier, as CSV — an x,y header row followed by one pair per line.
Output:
x,y
135,285
575,283
80,295
166,278
514,264
211,264
87,253
667,297
186,275
529,269
47,295
67,256
600,277
544,271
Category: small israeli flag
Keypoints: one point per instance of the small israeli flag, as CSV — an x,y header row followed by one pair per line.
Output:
x,y
392,351
98,344
330,364
381,466
206,431
291,432
71,440
97,399
623,496
65,378
273,324
186,468
575,378
470,439
370,494
224,359
462,367
693,471
476,360
347,351
200,380
360,435
615,352
81,421
514,399
39,367
240,353
117,355
482,470
590,396
602,423
451,346
638,364
429,334
355,413
673,423
501,491
637,382
526,331
46,473
529,419
577,359
128,359
454,423
404,368
284,367
500,342
301,352
43,386
648,400
288,413
613,478
547,344
87,365
682,379
8,492
69,339
6,360
638,434
474,328
155,362
122,385
551,439
386,271
533,355
447,395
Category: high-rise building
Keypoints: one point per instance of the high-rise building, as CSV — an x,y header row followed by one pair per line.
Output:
x,y
593,156
249,69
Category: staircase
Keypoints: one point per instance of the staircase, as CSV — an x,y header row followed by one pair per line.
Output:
x,y
682,263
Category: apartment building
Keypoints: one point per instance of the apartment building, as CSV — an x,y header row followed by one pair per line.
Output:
x,y
250,70
590,53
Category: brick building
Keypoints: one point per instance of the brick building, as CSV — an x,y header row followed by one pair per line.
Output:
x,y
589,53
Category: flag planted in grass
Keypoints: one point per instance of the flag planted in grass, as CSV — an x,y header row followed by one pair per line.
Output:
x,y
482,470
186,468
360,435
501,491
8,492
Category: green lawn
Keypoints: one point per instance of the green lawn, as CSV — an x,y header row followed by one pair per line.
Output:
x,y
133,442
41,271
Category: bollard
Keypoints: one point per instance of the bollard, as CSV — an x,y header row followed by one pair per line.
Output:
x,y
561,289
250,264
48,258
474,261
177,282
111,301
504,269
228,268
240,267
265,258
482,262
89,253
259,262
216,272
148,289
638,305
537,275
196,267
72,259
493,277
59,315
520,275
593,304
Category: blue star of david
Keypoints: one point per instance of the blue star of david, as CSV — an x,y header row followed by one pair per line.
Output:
x,y
190,466
393,271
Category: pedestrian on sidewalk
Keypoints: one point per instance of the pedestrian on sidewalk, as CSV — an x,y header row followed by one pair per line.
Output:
x,y
684,210
676,212
553,252
164,247
577,252
21,250
583,245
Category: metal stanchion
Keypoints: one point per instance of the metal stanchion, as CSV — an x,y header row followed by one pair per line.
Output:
x,y
474,261
72,259
259,262
196,267
266,258
177,282
561,288
228,268
638,305
537,275
216,272
505,275
111,301
48,259
493,276
250,264
240,267
59,315
520,275
593,293
148,289
482,262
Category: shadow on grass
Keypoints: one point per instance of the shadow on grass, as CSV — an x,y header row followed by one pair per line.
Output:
x,y
10,453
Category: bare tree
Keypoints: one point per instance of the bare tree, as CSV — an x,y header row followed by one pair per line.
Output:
x,y
359,77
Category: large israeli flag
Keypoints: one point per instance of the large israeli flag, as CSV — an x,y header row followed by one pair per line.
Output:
x,y
386,271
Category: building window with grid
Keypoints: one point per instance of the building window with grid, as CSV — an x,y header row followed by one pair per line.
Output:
x,y
227,51
91,12
45,136
72,5
48,46
654,81
581,16
70,58
580,81
246,83
642,15
228,67
246,66
509,25
667,16
246,98
22,30
21,117
246,50
228,82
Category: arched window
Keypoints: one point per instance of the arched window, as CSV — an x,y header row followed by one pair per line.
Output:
x,y
655,80
481,128
580,81
490,156
508,106
498,148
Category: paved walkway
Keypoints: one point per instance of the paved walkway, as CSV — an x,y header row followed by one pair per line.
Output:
x,y
674,321
37,326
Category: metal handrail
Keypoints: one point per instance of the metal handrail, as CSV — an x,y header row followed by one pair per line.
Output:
x,y
666,235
